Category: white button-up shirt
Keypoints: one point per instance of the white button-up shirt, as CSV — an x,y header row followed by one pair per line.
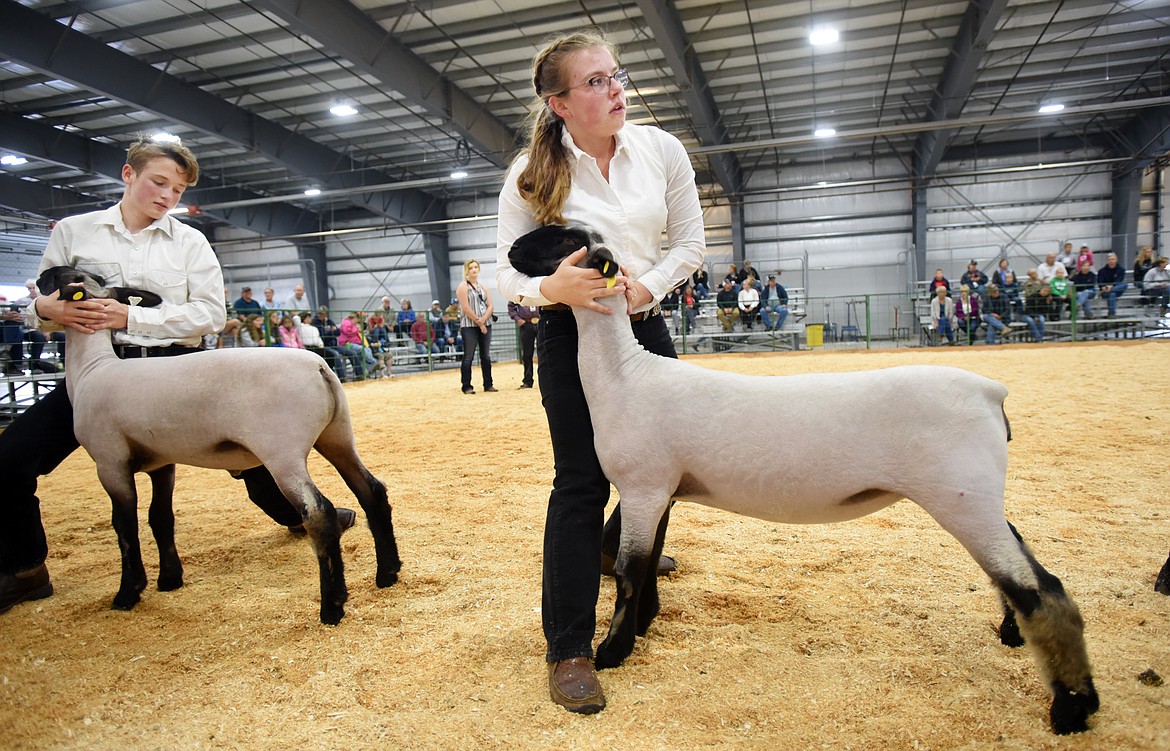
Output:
x,y
167,257
651,189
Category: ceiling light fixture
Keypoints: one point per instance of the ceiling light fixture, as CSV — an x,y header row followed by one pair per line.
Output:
x,y
823,35
458,174
12,160
313,192
1048,109
342,110
824,132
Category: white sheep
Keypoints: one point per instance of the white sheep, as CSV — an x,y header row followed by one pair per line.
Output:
x,y
860,442
146,415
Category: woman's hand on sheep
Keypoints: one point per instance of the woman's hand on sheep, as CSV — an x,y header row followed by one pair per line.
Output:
x,y
577,286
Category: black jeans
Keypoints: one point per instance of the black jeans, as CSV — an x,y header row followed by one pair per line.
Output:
x,y
573,530
527,334
472,338
35,444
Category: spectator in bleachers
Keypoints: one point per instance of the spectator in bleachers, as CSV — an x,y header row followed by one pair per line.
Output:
x,y
311,338
404,320
245,304
689,302
1156,285
289,336
939,281
1032,285
997,314
526,319
1111,283
669,305
1038,308
749,302
299,301
773,304
942,314
733,274
1012,291
435,314
272,329
252,332
423,337
727,305
967,313
1084,255
1068,259
230,336
747,271
999,276
1085,285
1047,270
701,283
975,279
325,325
351,339
269,301
378,323
1062,292
452,310
447,335
1141,266
21,333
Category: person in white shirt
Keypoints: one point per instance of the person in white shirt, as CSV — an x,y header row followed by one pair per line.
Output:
x,y
586,164
749,302
298,301
1156,285
136,244
1047,270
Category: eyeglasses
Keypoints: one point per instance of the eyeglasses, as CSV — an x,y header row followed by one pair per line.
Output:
x,y
600,84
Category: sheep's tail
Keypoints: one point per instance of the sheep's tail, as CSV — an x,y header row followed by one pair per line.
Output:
x,y
336,395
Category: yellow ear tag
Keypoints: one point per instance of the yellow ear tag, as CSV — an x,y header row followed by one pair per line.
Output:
x,y
78,295
612,280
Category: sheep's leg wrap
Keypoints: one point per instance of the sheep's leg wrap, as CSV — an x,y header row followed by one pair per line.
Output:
x,y
119,484
162,524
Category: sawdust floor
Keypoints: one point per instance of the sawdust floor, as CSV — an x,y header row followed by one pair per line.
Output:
x,y
874,634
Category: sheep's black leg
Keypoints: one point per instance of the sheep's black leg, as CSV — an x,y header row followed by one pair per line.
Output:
x,y
619,643
119,484
1162,583
321,524
162,524
1009,630
648,604
1051,623
371,494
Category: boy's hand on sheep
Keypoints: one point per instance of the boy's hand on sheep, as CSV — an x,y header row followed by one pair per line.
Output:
x,y
87,316
580,287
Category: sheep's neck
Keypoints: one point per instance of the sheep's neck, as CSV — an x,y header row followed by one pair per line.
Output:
x,y
86,353
606,346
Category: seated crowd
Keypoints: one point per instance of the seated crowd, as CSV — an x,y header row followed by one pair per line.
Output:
x,y
359,347
1065,284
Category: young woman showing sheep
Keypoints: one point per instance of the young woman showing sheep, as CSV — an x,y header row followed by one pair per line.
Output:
x,y
898,427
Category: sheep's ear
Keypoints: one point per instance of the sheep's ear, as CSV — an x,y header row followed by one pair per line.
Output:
x,y
602,260
139,297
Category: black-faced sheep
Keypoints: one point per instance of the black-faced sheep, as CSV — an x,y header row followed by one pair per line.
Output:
x,y
146,415
865,440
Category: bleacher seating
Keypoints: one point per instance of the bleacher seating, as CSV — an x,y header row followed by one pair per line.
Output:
x,y
710,337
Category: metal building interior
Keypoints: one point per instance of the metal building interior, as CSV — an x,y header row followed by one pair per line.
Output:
x,y
823,122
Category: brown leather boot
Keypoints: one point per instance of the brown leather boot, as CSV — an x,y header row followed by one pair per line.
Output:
x,y
573,684
22,586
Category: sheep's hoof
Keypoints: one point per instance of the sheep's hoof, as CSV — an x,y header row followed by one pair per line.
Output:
x,y
1070,709
125,601
611,655
1009,633
170,582
386,579
331,615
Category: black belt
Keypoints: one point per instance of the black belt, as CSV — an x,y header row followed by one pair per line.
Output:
x,y
132,351
635,317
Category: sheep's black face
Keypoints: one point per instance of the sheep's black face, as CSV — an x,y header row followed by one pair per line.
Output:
x,y
66,279
539,252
